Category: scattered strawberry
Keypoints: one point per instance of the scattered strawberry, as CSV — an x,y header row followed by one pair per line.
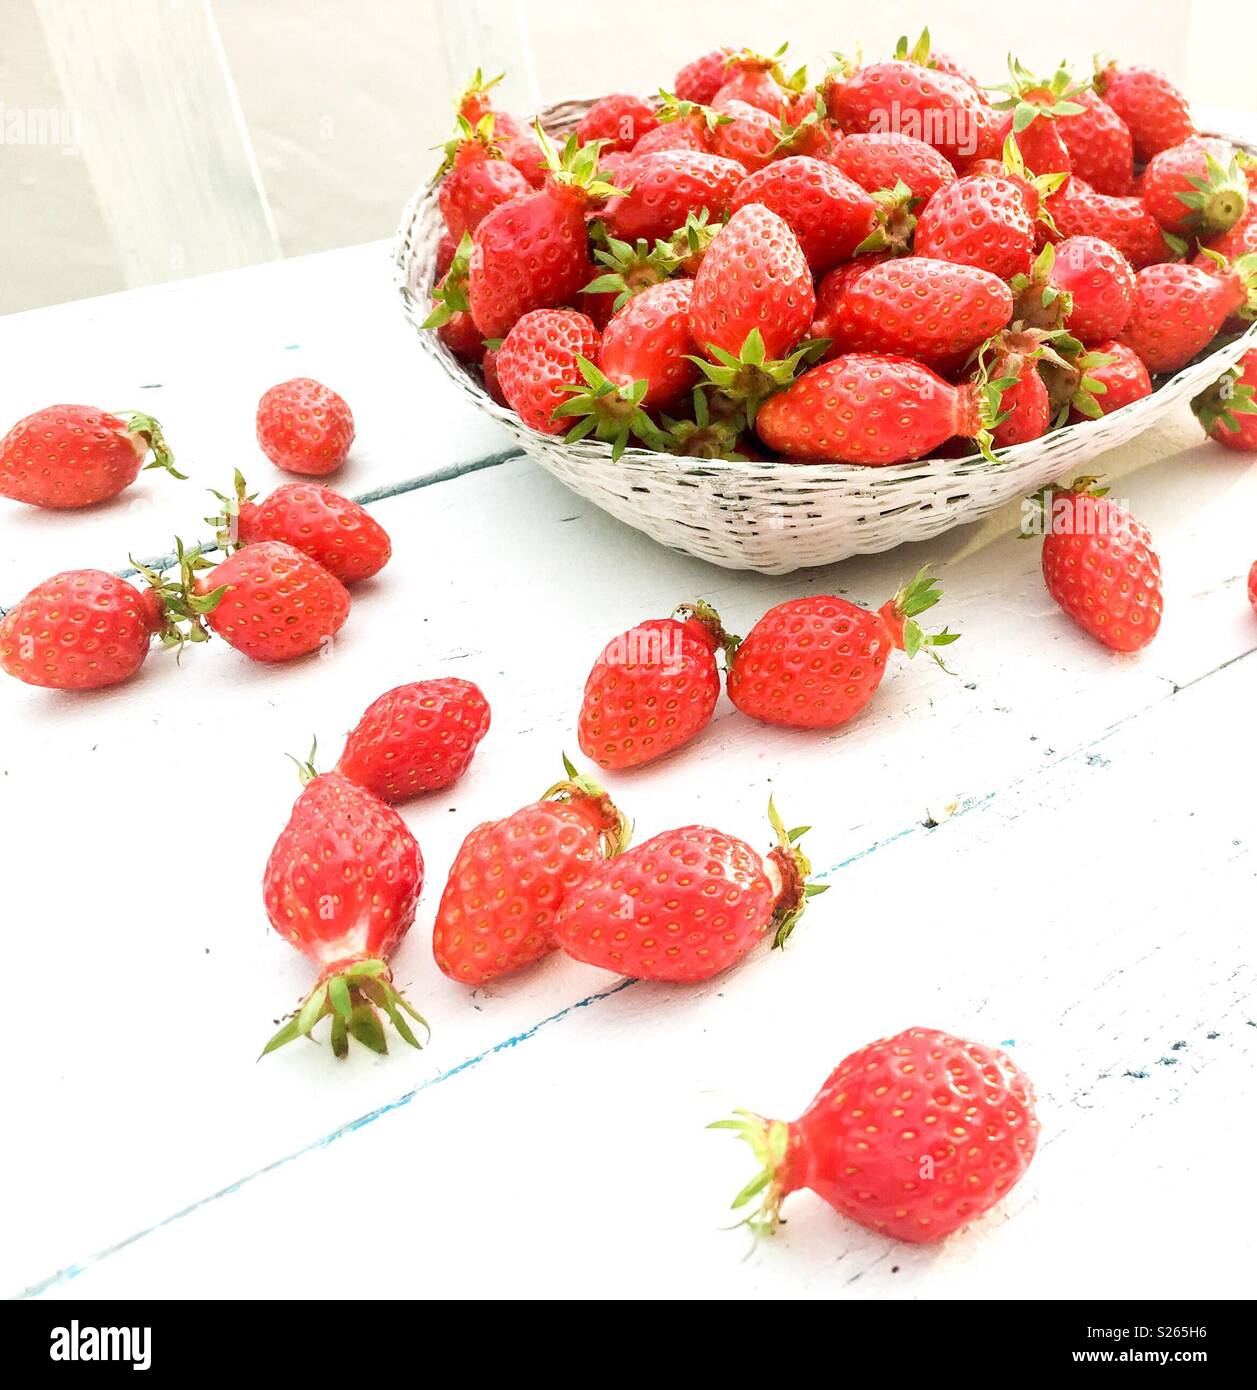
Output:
x,y
416,738
1180,308
619,121
667,188
687,904
333,530
883,159
652,688
815,662
979,220
1227,411
700,80
1154,110
1099,145
304,427
830,214
341,886
1100,283
276,603
476,179
1099,565
912,1137
859,408
511,878
75,455
1196,188
540,356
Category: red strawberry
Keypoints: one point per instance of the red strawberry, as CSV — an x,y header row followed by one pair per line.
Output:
x,y
927,309
451,308
341,885
1179,309
700,80
1252,586
1227,412
446,249
304,427
652,689
1196,188
276,603
1154,110
831,319
753,79
686,905
830,214
1239,241
1099,145
540,357
912,1136
859,408
333,530
815,662
476,178
416,738
1123,222
1025,404
937,107
1099,565
884,159
755,275
85,629
649,339
533,252
75,455
667,188
978,220
805,129
620,120
511,878
1100,283
1035,110
489,366
1103,379
748,135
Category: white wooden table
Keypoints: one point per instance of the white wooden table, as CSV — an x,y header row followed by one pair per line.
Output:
x,y
1085,897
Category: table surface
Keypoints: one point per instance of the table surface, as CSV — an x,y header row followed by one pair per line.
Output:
x,y
1050,850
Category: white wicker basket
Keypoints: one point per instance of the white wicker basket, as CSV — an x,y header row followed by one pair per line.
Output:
x,y
778,517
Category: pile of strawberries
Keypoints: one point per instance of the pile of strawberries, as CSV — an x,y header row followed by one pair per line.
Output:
x,y
892,262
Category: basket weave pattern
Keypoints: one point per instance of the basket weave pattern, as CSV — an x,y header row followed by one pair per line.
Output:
x,y
779,517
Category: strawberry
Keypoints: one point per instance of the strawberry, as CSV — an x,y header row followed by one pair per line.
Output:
x,y
533,252
755,275
830,214
451,308
85,629
748,135
686,905
859,408
1154,110
489,366
649,339
1179,309
1100,284
476,179
512,877
1025,406
341,885
1238,241
667,188
922,308
815,662
682,125
753,79
1196,188
805,129
924,55
75,455
1099,565
619,120
1252,586
304,427
883,159
1123,222
513,137
1034,110
276,602
1227,411
1099,145
416,738
333,530
446,250
652,688
978,220
541,354
907,98
700,80
912,1137
1099,381
831,321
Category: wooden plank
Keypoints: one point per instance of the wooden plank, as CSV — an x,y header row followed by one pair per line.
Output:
x,y
172,1000
162,135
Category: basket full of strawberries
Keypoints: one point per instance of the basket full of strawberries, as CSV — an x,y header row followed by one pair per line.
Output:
x,y
774,324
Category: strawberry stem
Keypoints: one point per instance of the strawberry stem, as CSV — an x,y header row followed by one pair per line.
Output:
x,y
770,1141
794,867
146,428
583,793
353,995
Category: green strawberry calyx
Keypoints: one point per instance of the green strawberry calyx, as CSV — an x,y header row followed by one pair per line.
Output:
x,y
672,108
582,792
148,431
709,434
706,617
748,379
1037,303
353,994
608,411
183,610
901,612
450,297
575,166
226,522
795,869
1217,199
628,268
1029,97
1043,184
1037,513
772,1144
465,136
1217,406
896,221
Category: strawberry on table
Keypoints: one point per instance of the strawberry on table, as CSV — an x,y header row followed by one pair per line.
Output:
x,y
341,885
687,904
1227,411
416,738
912,1136
511,878
69,456
816,662
304,427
